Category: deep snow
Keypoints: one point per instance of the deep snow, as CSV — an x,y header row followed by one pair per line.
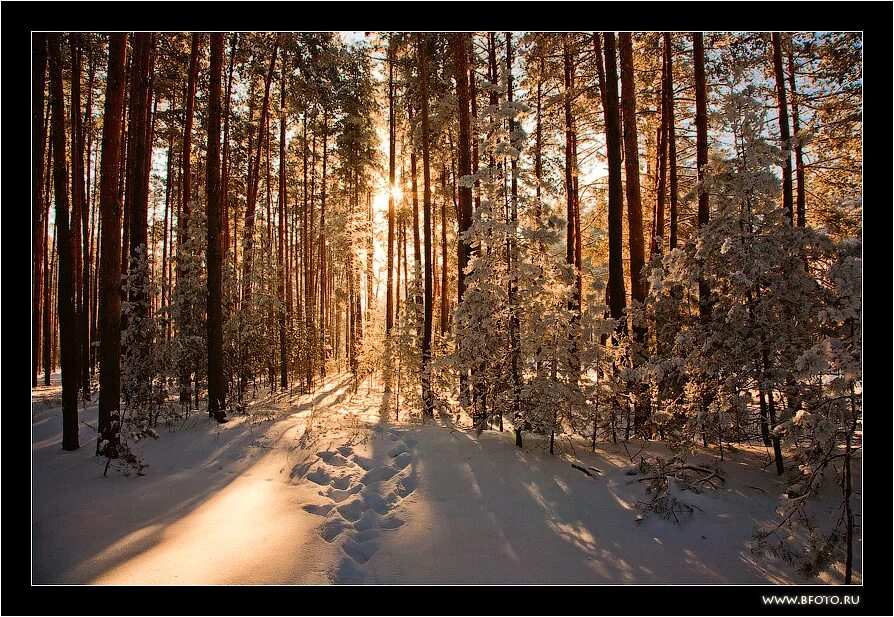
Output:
x,y
320,489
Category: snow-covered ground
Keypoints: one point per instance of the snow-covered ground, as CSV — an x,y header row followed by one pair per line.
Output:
x,y
320,489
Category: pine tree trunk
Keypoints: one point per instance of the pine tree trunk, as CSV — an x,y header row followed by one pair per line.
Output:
x,y
631,162
280,256
427,400
225,166
445,305
701,147
252,190
165,295
784,134
801,198
185,208
417,251
370,298
216,218
122,176
38,237
46,327
137,198
460,44
617,298
473,129
572,240
671,139
389,301
657,245
321,336
538,153
68,341
512,258
78,197
87,238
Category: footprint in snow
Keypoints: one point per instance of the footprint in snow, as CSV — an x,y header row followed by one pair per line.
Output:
x,y
402,460
379,474
319,510
320,477
406,486
332,458
352,510
360,551
331,528
342,482
345,451
363,462
339,495
391,522
398,450
347,573
380,504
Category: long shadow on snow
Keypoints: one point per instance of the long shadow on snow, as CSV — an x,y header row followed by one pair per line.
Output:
x,y
127,514
530,518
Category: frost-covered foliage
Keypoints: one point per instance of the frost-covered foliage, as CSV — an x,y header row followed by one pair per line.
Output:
x,y
827,429
188,346
524,352
143,370
777,354
407,350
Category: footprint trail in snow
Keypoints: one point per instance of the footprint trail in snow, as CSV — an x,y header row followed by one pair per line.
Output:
x,y
361,495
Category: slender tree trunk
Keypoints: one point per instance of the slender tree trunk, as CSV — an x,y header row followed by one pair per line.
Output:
x,y
225,167
165,295
87,237
78,198
283,217
631,161
701,145
512,258
538,151
38,237
370,298
397,265
46,353
784,134
122,171
848,487
417,251
445,305
657,245
54,285
460,43
110,252
392,134
427,400
253,181
216,218
68,335
801,199
322,244
671,139
572,240
617,297
137,198
305,237
186,199
473,136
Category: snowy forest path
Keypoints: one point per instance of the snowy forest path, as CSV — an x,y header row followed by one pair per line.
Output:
x,y
321,488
